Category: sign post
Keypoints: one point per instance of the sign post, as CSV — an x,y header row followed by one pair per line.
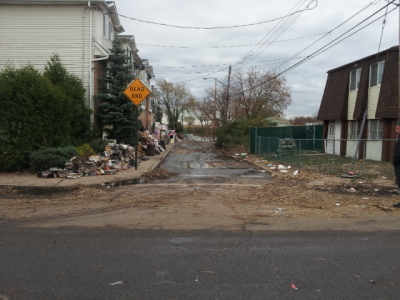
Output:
x,y
136,91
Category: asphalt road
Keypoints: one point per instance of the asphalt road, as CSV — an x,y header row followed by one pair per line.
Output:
x,y
99,263
85,263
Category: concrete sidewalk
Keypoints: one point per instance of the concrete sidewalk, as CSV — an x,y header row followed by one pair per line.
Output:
x,y
122,177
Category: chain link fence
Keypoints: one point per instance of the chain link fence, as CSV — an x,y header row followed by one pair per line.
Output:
x,y
363,157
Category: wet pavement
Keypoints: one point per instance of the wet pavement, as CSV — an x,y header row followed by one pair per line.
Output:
x,y
200,161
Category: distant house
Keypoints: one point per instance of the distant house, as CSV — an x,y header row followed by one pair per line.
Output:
x,y
370,87
279,121
80,31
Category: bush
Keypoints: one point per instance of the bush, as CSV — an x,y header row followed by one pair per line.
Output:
x,y
98,145
12,160
51,157
85,151
237,133
39,110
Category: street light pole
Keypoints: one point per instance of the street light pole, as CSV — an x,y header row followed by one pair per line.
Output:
x,y
215,105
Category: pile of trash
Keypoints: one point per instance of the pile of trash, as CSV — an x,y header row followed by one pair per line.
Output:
x,y
160,173
282,168
116,157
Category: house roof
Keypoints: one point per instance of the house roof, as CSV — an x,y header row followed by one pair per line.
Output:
x,y
129,39
394,48
280,122
48,1
109,5
334,104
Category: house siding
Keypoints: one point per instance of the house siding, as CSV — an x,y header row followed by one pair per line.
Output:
x,y
335,105
98,35
388,104
373,97
380,102
27,38
352,103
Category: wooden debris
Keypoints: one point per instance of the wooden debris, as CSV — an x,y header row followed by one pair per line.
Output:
x,y
160,173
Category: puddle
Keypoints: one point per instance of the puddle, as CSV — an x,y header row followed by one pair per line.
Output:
x,y
140,180
40,190
51,190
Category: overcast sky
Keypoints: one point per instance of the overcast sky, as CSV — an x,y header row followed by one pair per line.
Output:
x,y
284,34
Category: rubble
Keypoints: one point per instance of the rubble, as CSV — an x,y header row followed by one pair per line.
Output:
x,y
160,173
116,157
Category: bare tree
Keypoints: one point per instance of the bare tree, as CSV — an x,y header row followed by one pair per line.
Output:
x,y
175,99
204,112
257,94
215,104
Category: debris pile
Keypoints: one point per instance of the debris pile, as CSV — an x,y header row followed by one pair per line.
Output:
x,y
115,157
160,173
286,146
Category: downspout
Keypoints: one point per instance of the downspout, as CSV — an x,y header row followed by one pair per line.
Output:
x,y
101,58
83,42
90,60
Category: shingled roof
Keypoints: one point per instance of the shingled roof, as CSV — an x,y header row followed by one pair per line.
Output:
x,y
335,98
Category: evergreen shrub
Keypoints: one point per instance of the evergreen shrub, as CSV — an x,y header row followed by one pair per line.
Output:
x,y
237,133
51,157
98,145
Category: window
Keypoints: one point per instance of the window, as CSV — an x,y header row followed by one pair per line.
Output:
x,y
375,130
376,73
108,30
355,79
353,130
129,55
331,130
111,32
106,26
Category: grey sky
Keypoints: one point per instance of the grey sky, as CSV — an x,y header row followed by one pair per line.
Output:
x,y
181,54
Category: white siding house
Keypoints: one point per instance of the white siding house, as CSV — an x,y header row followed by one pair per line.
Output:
x,y
79,31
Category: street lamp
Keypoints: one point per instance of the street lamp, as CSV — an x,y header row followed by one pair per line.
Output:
x,y
225,119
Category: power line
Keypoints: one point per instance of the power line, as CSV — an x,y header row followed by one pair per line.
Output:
x,y
215,27
277,60
329,32
316,52
266,38
383,27
331,44
335,41
236,46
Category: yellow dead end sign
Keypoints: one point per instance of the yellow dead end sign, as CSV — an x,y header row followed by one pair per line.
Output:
x,y
136,91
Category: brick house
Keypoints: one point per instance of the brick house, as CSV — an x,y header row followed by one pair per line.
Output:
x,y
80,31
370,87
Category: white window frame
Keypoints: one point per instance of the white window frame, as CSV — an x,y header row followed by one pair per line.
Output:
x,y
108,28
375,129
111,26
354,80
354,130
376,73
331,130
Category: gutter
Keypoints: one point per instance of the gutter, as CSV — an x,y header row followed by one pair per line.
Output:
x,y
90,62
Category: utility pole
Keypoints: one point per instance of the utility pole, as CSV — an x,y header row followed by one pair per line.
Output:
x,y
215,110
227,96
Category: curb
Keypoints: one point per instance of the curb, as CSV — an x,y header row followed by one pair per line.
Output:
x,y
126,177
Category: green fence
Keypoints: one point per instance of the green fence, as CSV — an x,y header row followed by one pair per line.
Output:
x,y
312,133
363,157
